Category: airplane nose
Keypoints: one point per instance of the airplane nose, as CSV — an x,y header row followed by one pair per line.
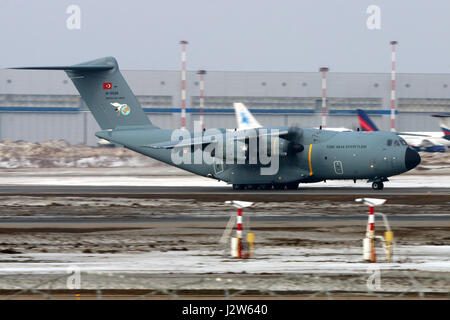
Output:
x,y
412,158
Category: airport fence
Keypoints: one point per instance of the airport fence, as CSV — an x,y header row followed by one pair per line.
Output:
x,y
374,284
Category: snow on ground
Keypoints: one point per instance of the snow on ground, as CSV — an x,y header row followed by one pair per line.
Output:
x,y
60,154
268,260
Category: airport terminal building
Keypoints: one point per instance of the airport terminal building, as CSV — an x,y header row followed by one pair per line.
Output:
x,y
43,105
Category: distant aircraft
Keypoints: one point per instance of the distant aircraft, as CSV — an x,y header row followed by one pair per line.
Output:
x,y
420,141
246,120
255,158
444,123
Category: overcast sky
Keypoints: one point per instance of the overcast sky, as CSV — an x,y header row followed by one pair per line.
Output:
x,y
239,35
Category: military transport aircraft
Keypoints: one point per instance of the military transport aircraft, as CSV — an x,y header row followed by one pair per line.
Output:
x,y
291,155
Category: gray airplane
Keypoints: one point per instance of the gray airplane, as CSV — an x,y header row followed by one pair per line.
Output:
x,y
302,155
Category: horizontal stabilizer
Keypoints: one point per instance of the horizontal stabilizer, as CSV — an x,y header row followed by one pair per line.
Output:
x,y
70,68
411,134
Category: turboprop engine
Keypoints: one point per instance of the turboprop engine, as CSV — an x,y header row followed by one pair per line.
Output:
x,y
249,146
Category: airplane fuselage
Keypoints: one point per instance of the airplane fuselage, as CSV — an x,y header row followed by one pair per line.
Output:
x,y
327,155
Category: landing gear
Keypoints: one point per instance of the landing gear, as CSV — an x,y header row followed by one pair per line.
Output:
x,y
292,186
377,185
266,186
286,186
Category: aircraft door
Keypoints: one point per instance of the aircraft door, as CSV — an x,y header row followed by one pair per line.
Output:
x,y
218,165
338,167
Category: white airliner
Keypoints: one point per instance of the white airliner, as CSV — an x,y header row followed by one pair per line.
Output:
x,y
422,141
246,120
444,123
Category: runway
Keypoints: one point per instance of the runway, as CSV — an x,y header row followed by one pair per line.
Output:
x,y
187,190
400,195
161,183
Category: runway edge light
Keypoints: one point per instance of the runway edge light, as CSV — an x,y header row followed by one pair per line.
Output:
x,y
237,243
369,253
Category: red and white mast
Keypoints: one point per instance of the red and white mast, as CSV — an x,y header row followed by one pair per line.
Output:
x,y
202,73
324,96
183,83
393,108
371,233
239,231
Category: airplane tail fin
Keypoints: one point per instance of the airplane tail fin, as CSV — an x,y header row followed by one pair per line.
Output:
x,y
244,118
106,93
444,123
365,122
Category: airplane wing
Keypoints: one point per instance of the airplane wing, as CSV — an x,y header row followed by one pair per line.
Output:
x,y
192,142
244,118
208,139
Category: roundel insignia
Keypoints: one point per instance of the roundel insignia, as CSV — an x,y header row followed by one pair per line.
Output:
x,y
125,110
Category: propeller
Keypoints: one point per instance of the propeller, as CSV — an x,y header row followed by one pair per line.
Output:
x,y
294,136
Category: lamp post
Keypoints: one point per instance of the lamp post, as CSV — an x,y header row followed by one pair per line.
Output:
x,y
393,107
202,73
183,83
324,71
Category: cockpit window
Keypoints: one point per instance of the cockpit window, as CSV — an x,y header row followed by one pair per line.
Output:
x,y
403,142
396,143
389,142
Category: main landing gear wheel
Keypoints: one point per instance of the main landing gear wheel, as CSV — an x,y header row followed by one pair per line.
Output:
x,y
292,186
377,185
